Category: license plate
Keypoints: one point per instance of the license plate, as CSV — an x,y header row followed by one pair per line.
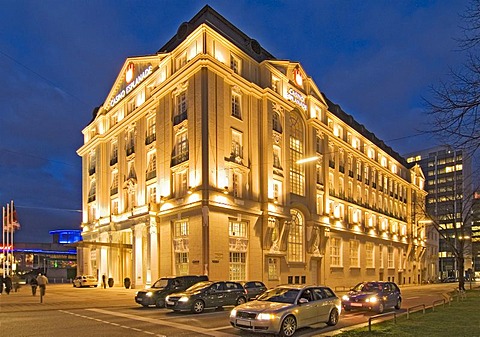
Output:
x,y
243,322
170,303
356,304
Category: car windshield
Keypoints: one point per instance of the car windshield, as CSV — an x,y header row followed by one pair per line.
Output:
x,y
282,295
199,285
368,287
162,283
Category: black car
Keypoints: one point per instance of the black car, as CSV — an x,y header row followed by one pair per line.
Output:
x,y
207,294
253,288
165,286
373,296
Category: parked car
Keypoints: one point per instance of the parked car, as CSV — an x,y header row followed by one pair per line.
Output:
x,y
284,309
155,295
207,294
253,288
85,281
373,296
450,279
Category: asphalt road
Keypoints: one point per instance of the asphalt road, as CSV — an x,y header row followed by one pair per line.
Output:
x,y
97,312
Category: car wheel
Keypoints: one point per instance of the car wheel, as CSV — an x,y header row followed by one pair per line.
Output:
x,y
380,308
198,307
399,304
241,300
288,327
333,318
95,286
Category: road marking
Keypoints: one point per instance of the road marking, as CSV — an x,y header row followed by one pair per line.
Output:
x,y
111,323
411,298
208,332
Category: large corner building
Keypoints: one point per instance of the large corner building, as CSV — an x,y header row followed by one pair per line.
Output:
x,y
213,157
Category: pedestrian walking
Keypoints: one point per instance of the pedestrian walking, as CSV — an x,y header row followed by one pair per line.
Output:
x,y
104,283
42,283
8,284
1,284
34,285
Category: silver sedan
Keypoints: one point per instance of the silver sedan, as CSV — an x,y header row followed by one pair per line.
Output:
x,y
284,309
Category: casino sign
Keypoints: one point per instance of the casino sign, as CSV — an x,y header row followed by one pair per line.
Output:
x,y
134,75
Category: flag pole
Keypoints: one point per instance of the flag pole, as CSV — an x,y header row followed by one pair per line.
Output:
x,y
8,244
11,226
3,241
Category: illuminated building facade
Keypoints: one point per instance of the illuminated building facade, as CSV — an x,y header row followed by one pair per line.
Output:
x,y
214,157
448,174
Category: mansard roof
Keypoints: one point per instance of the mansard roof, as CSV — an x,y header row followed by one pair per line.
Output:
x,y
212,18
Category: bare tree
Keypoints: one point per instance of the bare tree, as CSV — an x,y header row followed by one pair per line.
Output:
x,y
456,101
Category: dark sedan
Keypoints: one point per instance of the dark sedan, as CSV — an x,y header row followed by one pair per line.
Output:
x,y
373,296
207,294
253,289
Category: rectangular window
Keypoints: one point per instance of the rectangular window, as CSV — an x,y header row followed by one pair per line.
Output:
x,y
380,256
181,247
369,252
237,144
152,193
336,252
235,64
238,266
180,113
297,171
354,254
277,157
181,183
114,185
181,149
391,262
236,106
151,165
151,131
273,268
114,153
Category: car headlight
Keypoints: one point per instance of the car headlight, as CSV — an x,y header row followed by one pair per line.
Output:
x,y
183,299
233,313
345,298
265,317
373,299
149,294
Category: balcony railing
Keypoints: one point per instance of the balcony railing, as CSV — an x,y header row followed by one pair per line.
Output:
x,y
91,198
91,170
151,174
113,190
177,119
149,139
180,158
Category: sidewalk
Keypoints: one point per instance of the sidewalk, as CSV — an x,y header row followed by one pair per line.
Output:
x,y
65,296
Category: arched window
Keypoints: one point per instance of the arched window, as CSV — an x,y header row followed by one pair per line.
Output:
x,y
295,237
297,171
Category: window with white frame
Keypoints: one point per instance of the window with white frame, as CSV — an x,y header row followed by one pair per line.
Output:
x,y
114,184
113,152
181,183
130,143
151,165
114,206
273,268
152,193
277,186
335,252
277,155
380,256
295,237
297,170
236,104
237,144
181,246
370,255
237,231
319,172
320,204
277,123
390,258
92,162
319,143
151,130
236,184
181,148
92,190
354,254
180,113
235,64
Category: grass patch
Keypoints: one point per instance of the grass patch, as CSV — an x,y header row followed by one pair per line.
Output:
x,y
456,320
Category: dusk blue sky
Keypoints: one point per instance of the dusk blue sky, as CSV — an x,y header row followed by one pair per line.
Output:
x,y
59,59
